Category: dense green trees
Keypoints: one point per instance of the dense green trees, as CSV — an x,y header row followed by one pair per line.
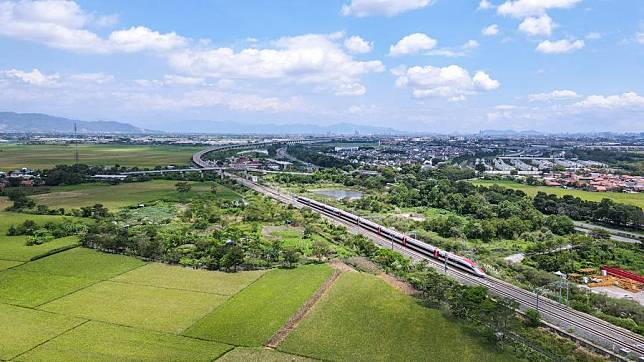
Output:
x,y
20,200
605,211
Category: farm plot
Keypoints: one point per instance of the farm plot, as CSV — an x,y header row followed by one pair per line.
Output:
x,y
95,341
29,289
23,329
253,315
361,318
82,262
159,309
115,196
175,277
248,354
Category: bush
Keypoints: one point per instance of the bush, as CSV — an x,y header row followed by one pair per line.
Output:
x,y
532,318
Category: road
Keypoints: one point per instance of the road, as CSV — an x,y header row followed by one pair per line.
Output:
x,y
617,235
583,326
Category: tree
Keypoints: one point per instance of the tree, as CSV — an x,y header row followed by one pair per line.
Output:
x,y
290,256
20,200
321,249
233,258
183,187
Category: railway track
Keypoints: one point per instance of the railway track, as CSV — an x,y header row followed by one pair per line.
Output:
x,y
585,327
593,329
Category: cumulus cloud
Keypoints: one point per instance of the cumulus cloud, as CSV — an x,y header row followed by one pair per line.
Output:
x,y
559,46
362,8
624,100
541,25
461,51
307,59
352,89
491,30
357,45
34,77
63,24
484,5
412,44
525,8
558,94
640,38
451,82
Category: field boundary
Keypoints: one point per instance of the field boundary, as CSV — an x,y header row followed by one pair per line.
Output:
x,y
295,319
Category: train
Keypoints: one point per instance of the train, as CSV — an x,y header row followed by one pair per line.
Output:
x,y
421,247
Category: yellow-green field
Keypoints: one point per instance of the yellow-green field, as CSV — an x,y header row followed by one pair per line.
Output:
x,y
621,197
14,156
114,196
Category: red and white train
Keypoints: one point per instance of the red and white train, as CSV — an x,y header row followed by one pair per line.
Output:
x,y
408,242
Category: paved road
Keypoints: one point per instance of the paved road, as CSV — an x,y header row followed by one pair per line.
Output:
x,y
583,326
617,235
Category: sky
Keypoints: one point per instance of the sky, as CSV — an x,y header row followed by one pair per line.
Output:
x,y
412,65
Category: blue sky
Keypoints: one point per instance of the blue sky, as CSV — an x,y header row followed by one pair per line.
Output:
x,y
422,65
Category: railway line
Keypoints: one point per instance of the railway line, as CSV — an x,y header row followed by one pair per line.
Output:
x,y
621,343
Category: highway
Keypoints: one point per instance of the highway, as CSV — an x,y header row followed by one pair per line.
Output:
x,y
583,326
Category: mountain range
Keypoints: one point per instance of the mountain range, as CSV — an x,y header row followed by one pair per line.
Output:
x,y
11,122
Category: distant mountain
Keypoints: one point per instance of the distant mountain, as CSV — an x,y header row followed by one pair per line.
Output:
x,y
218,127
11,122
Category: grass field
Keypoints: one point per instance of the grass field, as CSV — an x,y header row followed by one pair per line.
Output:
x,y
251,317
82,263
247,354
621,197
13,248
14,156
115,196
23,329
29,289
361,318
95,341
151,308
176,277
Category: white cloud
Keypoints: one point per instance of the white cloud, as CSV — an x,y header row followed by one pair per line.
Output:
x,y
34,77
362,8
305,59
352,89
62,24
624,100
98,78
412,44
357,45
141,38
640,38
541,25
172,79
483,81
558,94
559,46
470,44
451,82
525,8
491,30
485,4
505,107
462,51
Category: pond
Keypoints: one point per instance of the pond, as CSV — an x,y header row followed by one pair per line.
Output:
x,y
340,194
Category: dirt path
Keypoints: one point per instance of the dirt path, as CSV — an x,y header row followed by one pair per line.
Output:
x,y
295,319
397,283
